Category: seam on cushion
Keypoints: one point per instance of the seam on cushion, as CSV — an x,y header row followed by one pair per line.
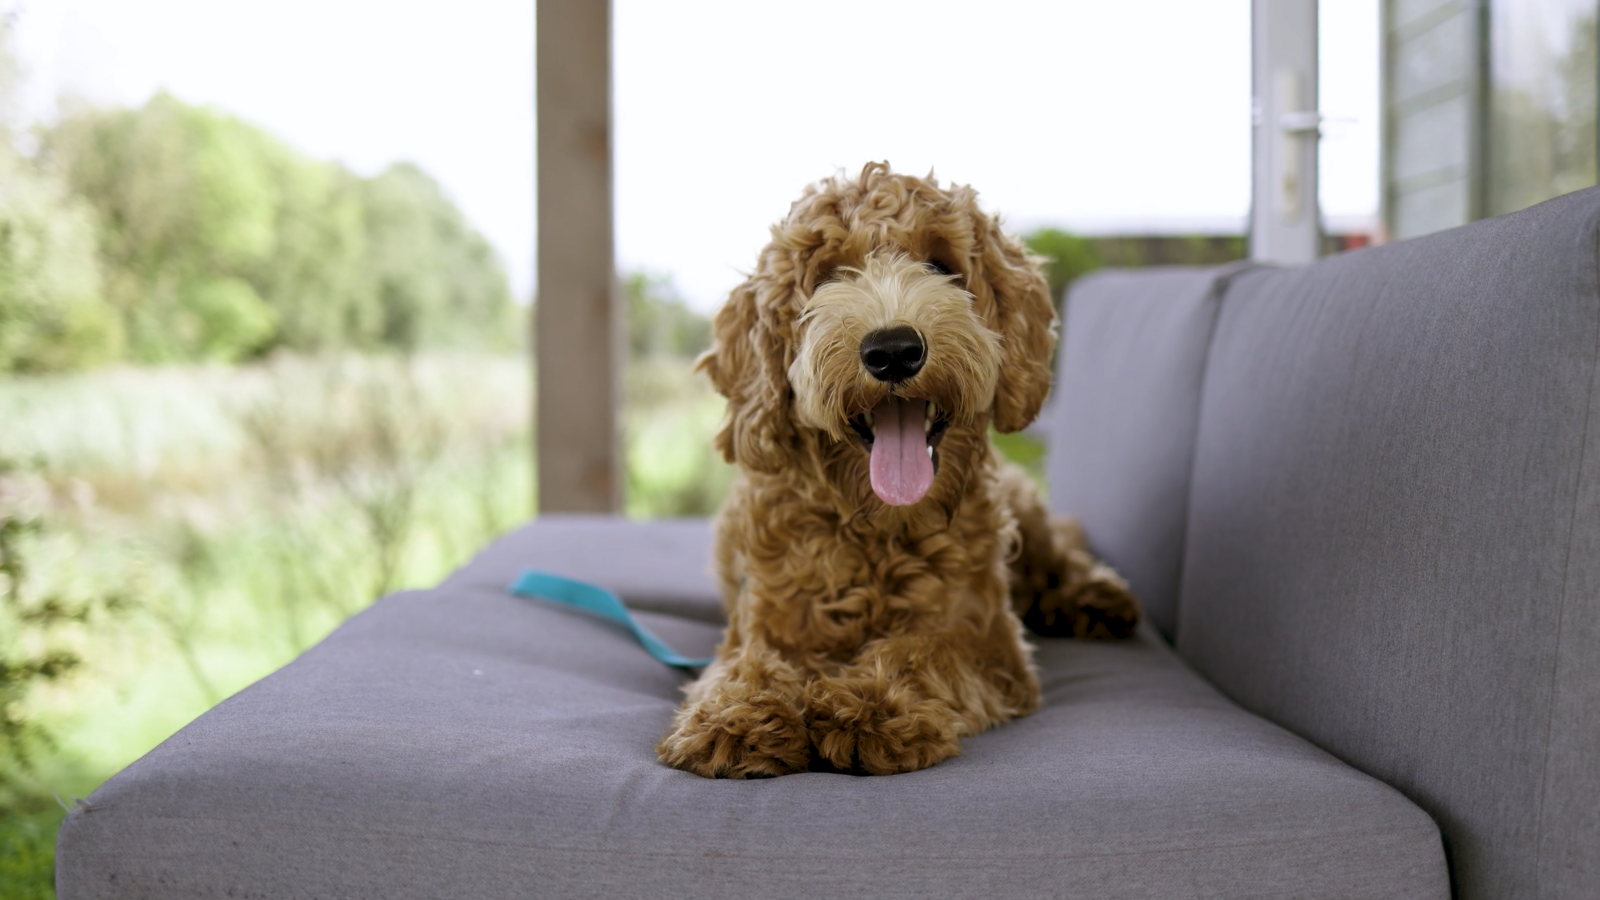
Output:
x,y
1219,290
1428,832
1566,571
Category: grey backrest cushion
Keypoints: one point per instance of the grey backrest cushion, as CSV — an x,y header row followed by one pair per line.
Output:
x,y
1394,531
1121,429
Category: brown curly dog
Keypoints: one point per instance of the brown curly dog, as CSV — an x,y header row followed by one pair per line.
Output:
x,y
876,558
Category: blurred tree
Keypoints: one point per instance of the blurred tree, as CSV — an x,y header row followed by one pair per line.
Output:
x,y
1070,256
53,314
220,242
660,323
318,279
187,206
33,653
438,282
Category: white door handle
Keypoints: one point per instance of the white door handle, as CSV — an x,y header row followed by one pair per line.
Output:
x,y
1301,122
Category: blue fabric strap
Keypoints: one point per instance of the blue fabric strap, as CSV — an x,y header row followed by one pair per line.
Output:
x,y
595,599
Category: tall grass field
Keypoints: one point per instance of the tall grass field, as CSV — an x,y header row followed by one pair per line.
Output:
x,y
210,523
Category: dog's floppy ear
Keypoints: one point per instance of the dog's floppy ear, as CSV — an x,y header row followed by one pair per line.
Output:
x,y
1026,321
748,363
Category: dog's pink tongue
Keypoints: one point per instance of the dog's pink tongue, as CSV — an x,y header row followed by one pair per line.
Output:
x,y
902,469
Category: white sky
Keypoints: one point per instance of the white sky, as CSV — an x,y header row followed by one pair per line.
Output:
x,y
1083,113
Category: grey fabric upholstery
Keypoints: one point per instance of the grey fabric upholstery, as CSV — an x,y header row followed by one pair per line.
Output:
x,y
1122,425
460,742
659,566
1394,534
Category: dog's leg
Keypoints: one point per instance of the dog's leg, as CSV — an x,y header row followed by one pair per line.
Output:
x,y
742,719
905,702
1058,589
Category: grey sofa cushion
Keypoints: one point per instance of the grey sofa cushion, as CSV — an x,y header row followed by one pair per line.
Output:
x,y
1394,542
659,566
462,742
1121,431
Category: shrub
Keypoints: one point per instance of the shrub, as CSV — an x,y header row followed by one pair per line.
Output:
x,y
53,314
222,243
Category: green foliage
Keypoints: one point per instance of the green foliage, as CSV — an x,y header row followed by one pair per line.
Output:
x,y
1024,449
1134,251
672,411
659,322
243,511
221,243
33,652
27,660
1071,256
28,851
672,469
52,312
1068,255
229,314
438,282
319,279
185,203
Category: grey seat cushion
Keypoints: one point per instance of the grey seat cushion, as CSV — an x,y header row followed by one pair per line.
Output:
x,y
1121,428
463,742
1394,539
659,566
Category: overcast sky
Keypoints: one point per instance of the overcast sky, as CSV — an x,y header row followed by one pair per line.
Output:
x,y
1082,113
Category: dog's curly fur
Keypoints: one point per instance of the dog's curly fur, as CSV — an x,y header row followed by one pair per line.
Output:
x,y
862,636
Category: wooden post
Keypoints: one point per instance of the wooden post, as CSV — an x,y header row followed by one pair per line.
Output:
x,y
578,336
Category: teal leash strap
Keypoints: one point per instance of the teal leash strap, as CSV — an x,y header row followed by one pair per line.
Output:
x,y
595,599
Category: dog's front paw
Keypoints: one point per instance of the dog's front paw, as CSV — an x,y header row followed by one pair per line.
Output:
x,y
878,727
725,737
1099,605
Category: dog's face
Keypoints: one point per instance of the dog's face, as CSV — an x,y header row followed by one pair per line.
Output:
x,y
888,324
893,355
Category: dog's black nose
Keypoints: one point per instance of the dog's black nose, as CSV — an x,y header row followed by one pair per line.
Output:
x,y
893,354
